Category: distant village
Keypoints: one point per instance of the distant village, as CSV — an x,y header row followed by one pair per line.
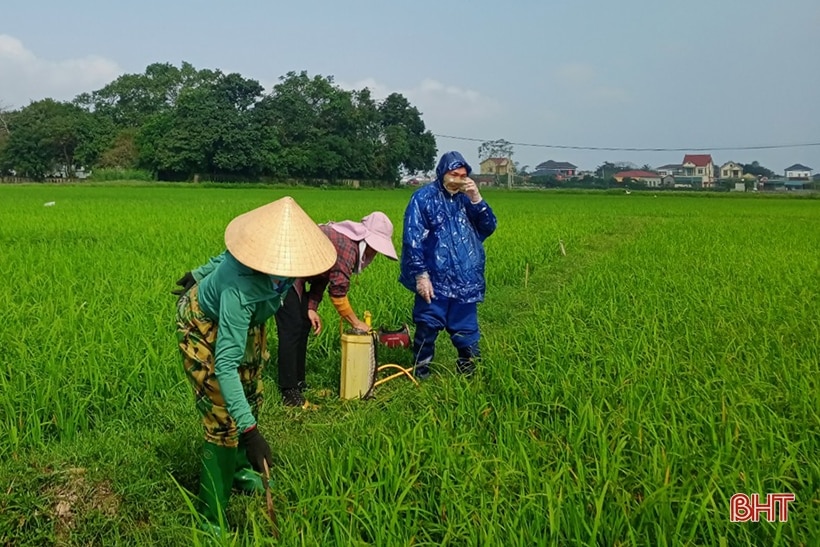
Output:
x,y
696,171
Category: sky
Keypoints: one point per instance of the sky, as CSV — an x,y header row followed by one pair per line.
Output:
x,y
695,74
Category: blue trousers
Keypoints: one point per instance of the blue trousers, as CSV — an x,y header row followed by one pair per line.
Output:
x,y
459,319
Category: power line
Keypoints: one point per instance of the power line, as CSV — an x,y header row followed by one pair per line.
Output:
x,y
620,149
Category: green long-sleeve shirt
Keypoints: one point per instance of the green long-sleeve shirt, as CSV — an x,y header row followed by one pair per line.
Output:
x,y
237,298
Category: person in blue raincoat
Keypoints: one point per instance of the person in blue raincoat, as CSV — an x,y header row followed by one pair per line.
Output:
x,y
442,261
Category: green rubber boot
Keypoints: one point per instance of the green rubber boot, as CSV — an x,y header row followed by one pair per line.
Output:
x,y
218,465
245,478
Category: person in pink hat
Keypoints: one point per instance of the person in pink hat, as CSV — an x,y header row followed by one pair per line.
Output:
x,y
357,244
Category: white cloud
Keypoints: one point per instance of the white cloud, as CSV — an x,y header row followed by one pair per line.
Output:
x,y
27,77
378,90
443,106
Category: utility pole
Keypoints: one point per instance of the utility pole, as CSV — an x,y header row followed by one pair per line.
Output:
x,y
509,173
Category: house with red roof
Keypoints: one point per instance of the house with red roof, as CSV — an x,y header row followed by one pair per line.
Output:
x,y
699,167
652,180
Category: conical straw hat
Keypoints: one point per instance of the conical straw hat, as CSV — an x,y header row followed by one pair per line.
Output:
x,y
280,239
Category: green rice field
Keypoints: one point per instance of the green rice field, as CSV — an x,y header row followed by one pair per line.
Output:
x,y
668,360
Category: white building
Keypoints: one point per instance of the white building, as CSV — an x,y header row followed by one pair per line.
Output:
x,y
798,172
731,170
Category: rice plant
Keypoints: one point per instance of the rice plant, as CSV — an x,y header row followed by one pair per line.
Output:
x,y
644,359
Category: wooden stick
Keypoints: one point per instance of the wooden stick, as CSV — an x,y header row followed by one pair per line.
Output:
x,y
269,499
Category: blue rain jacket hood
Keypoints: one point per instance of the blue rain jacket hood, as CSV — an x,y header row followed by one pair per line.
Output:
x,y
443,236
448,162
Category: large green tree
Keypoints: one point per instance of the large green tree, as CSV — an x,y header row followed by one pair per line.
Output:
x,y
211,130
499,148
179,122
122,153
48,136
328,132
314,122
409,145
131,99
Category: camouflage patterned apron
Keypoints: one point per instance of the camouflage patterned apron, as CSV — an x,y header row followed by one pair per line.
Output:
x,y
197,334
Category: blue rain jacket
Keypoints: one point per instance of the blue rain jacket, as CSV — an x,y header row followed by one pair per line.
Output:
x,y
443,236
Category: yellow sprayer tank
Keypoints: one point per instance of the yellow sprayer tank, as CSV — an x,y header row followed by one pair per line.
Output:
x,y
358,365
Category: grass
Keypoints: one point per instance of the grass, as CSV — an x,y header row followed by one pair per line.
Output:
x,y
117,174
629,388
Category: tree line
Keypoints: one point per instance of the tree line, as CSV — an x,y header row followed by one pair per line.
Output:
x,y
181,122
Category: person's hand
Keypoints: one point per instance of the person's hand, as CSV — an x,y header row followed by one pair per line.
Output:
x,y
425,287
360,325
257,448
471,189
185,282
315,321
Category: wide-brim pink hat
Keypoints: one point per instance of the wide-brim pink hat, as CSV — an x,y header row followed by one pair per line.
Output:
x,y
375,229
380,234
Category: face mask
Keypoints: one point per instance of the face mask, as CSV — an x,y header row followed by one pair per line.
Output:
x,y
453,184
367,257
363,262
